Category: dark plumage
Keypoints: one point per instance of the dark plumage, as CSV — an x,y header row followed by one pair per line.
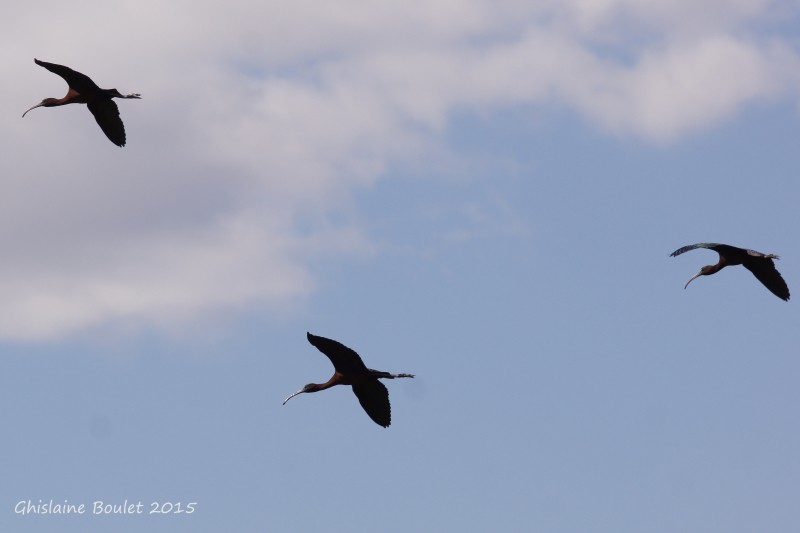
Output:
x,y
351,370
82,90
759,264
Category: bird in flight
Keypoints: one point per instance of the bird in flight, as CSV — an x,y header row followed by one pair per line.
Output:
x,y
759,264
82,90
349,369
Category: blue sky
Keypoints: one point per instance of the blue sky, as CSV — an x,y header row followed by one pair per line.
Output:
x,y
482,194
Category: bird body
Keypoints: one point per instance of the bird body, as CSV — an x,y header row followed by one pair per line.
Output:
x,y
761,265
82,90
349,369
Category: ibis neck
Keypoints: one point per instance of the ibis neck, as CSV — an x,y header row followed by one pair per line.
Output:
x,y
336,379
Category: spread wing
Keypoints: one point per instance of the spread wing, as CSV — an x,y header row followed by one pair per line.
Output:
x,y
764,269
344,360
374,398
723,249
106,113
80,82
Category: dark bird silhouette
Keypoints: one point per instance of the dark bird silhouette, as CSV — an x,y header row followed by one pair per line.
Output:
x,y
350,370
82,90
759,264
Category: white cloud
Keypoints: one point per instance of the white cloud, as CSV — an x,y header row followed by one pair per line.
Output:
x,y
259,119
684,87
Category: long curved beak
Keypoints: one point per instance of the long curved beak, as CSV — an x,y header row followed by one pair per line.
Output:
x,y
693,278
292,396
34,107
